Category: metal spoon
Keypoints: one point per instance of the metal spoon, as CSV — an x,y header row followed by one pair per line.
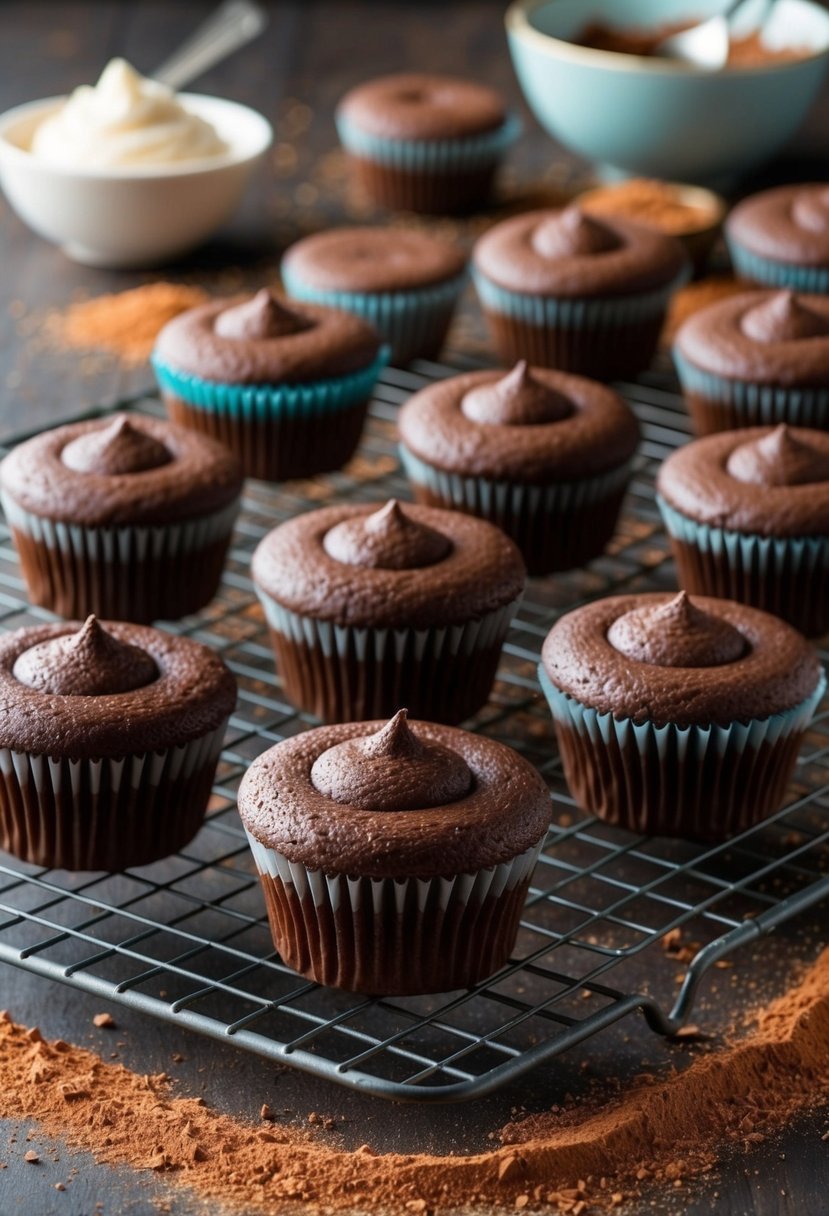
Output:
x,y
705,45
232,25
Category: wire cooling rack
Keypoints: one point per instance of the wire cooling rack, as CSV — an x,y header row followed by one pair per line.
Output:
x,y
186,939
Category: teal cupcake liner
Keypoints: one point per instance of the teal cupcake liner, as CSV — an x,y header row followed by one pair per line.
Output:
x,y
736,403
748,265
412,322
432,156
580,312
700,782
265,400
788,576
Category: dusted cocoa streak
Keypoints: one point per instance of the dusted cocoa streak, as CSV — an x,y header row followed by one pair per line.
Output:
x,y
420,106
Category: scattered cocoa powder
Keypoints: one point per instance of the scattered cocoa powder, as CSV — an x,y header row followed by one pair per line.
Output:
x,y
126,323
695,296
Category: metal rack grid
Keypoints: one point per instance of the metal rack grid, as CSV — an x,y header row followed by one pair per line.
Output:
x,y
187,941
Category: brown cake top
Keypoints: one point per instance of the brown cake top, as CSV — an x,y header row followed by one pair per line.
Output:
x,y
566,252
266,339
423,106
373,260
670,659
528,425
399,566
766,481
122,469
106,689
394,800
786,224
768,337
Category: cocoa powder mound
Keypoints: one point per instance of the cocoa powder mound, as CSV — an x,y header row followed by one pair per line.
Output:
x,y
736,1094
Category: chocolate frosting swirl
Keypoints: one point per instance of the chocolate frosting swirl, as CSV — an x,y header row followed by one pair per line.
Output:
x,y
263,316
388,539
782,318
573,233
779,458
517,399
88,663
115,450
676,634
810,210
391,770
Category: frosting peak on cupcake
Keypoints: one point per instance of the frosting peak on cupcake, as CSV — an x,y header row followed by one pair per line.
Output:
x,y
810,210
780,458
676,634
88,663
782,318
263,316
573,233
517,399
116,449
391,770
388,539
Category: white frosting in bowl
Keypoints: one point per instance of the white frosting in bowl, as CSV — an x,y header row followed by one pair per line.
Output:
x,y
124,120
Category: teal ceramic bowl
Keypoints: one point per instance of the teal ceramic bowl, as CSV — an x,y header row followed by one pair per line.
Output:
x,y
651,117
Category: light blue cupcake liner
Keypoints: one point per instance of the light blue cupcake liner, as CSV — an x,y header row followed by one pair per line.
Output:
x,y
582,312
748,265
430,155
267,400
775,556
756,404
409,321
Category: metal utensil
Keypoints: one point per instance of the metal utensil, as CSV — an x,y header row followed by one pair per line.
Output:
x,y
231,26
705,45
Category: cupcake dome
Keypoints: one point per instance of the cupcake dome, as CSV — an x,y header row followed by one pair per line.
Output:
x,y
373,608
379,834
283,385
780,237
678,716
756,359
544,455
564,289
126,516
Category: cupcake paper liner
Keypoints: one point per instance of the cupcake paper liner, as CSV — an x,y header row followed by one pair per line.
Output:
x,y
393,936
718,404
413,322
748,265
127,572
342,673
105,814
557,526
703,783
787,576
432,156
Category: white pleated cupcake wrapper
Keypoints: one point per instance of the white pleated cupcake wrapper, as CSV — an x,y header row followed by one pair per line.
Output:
x,y
762,404
131,543
687,743
499,499
433,155
402,318
574,313
748,265
344,640
778,556
331,891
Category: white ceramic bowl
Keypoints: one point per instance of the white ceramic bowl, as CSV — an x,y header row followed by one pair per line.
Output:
x,y
131,217
649,117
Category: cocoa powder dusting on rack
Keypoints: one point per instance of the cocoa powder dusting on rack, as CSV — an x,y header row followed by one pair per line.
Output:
x,y
125,323
556,1162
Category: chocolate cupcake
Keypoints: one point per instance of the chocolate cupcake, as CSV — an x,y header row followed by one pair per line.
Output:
x,y
427,143
284,386
109,739
748,517
679,717
564,289
756,359
369,609
780,237
395,858
125,516
545,456
405,283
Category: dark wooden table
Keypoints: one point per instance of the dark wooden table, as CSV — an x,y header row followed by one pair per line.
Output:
x,y
310,54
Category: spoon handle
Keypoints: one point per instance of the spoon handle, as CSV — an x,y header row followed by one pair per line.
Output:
x,y
232,25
